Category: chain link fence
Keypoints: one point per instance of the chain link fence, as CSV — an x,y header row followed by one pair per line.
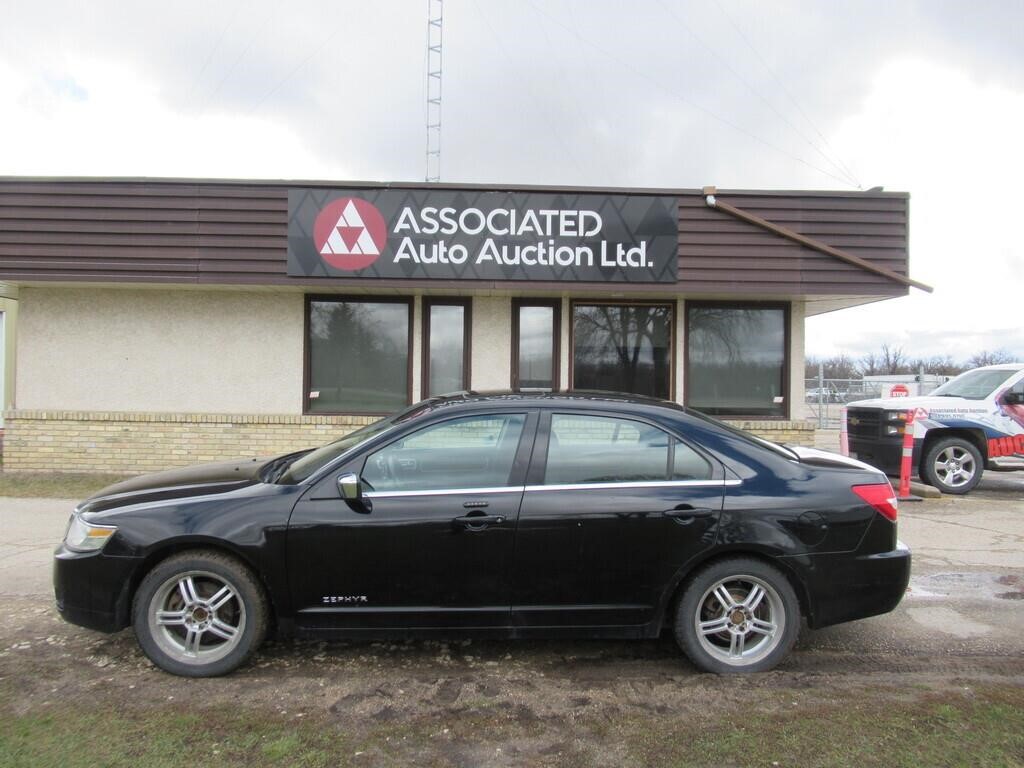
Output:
x,y
824,398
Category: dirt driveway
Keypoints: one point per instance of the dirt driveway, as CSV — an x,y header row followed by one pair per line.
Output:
x,y
958,637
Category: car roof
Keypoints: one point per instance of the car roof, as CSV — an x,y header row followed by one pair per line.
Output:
x,y
575,398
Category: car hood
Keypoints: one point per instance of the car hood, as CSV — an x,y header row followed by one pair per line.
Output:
x,y
906,403
198,480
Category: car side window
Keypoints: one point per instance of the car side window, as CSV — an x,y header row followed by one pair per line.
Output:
x,y
687,464
471,452
601,449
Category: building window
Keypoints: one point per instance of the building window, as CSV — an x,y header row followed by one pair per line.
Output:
x,y
446,324
623,348
737,359
358,355
536,331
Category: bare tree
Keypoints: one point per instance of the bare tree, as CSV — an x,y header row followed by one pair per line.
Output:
x,y
893,360
840,366
989,357
869,365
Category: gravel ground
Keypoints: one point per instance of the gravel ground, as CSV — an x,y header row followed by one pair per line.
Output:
x,y
960,626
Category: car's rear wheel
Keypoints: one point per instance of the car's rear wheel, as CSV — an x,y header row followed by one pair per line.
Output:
x,y
953,465
200,614
737,615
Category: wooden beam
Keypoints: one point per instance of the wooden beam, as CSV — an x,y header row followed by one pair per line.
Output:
x,y
809,242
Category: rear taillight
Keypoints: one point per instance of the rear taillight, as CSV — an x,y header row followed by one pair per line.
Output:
x,y
881,496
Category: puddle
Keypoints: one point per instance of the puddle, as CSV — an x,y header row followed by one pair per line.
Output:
x,y
988,586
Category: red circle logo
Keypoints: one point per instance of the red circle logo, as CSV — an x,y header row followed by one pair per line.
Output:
x,y
349,233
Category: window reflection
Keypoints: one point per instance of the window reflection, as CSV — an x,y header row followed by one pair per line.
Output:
x,y
358,356
536,347
736,360
447,346
622,348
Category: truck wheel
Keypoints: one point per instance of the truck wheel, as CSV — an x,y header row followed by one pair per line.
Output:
x,y
953,465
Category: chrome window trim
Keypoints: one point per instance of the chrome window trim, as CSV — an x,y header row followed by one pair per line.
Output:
x,y
564,487
445,491
643,484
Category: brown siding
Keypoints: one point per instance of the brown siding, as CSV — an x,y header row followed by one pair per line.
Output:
x,y
718,253
236,233
141,232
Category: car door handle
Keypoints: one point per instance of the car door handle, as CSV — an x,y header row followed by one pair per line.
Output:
x,y
477,522
686,512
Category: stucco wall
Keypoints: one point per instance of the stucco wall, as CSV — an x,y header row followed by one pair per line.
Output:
x,y
492,342
153,350
796,359
7,365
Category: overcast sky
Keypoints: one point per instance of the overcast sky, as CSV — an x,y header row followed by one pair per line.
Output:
x,y
925,97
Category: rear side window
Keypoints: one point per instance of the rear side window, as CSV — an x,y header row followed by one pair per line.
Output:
x,y
586,449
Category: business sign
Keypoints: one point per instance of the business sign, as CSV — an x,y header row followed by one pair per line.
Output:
x,y
469,235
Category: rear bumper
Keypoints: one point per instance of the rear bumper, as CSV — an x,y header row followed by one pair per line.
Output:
x,y
845,588
92,590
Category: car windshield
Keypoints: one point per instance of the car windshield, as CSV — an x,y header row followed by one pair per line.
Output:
x,y
974,385
297,467
308,463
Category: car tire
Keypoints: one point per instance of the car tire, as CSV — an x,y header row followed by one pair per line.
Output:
x,y
953,465
200,614
736,616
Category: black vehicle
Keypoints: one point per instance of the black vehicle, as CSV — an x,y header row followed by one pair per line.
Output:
x,y
580,514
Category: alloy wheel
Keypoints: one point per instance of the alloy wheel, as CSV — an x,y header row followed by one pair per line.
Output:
x,y
740,620
197,617
954,466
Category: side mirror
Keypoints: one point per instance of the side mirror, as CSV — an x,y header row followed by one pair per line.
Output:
x,y
350,487
1013,398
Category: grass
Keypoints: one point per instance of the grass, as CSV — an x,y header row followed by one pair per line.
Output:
x,y
982,729
162,739
53,485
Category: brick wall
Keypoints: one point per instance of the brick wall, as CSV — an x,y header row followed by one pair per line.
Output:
x,y
80,441
127,443
792,432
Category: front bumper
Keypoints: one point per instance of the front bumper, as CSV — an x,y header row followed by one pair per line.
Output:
x,y
844,587
93,590
883,455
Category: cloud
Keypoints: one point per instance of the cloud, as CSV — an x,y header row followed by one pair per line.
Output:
x,y
922,97
951,141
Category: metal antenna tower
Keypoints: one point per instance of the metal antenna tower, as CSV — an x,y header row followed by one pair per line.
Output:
x,y
435,18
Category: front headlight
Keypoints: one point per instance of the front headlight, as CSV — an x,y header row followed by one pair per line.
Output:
x,y
896,415
86,537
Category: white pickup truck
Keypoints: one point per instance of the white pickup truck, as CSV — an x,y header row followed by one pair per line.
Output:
x,y
971,423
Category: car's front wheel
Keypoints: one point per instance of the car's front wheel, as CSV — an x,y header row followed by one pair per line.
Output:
x,y
199,614
737,615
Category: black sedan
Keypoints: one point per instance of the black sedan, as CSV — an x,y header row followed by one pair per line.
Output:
x,y
579,514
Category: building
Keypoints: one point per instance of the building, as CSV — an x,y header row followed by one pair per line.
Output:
x,y
167,321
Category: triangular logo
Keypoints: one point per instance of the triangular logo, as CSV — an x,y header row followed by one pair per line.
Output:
x,y
349,235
